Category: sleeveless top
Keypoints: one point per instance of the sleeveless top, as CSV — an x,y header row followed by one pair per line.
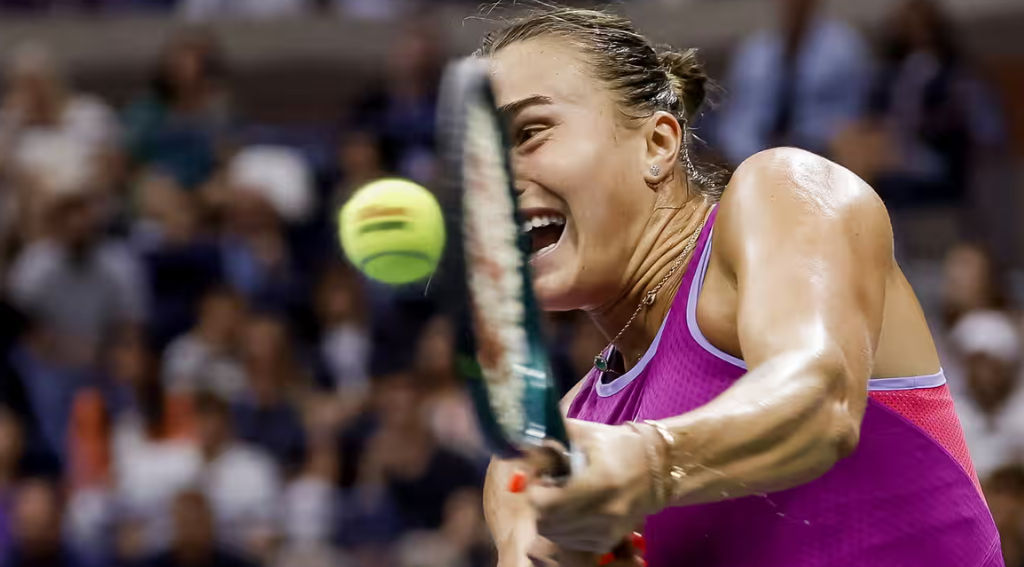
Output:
x,y
907,496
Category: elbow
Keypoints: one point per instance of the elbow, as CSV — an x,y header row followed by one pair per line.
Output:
x,y
839,426
837,420
844,434
834,437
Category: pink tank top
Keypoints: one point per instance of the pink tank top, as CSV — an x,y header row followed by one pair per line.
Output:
x,y
908,496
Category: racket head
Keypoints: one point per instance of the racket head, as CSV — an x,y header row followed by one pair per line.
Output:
x,y
501,353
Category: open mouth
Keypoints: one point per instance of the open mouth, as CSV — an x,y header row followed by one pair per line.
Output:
x,y
544,229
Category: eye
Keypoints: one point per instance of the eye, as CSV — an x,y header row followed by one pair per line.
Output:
x,y
526,133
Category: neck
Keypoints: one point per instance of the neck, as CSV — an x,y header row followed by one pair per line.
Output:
x,y
663,242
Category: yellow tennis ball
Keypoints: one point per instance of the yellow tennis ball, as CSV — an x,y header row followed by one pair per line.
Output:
x,y
392,229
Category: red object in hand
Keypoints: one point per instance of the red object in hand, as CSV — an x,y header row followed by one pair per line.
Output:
x,y
606,559
517,483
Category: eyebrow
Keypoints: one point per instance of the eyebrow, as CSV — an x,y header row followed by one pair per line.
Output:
x,y
510,110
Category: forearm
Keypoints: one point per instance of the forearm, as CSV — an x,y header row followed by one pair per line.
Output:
x,y
783,424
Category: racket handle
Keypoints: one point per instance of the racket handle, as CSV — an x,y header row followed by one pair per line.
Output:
x,y
553,463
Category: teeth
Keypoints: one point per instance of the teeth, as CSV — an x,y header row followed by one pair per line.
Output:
x,y
540,221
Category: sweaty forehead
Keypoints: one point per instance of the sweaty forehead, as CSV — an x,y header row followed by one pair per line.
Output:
x,y
545,66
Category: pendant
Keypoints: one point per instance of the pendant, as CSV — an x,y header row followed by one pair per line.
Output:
x,y
601,363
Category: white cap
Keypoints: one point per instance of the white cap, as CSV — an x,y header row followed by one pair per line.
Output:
x,y
988,332
278,174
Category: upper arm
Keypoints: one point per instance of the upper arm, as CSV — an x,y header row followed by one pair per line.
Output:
x,y
810,247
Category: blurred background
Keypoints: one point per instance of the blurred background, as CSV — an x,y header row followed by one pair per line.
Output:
x,y
190,375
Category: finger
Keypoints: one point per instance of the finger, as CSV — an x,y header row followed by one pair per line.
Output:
x,y
543,553
546,498
551,461
580,538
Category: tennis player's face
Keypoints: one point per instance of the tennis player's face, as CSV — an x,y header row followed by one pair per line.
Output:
x,y
579,171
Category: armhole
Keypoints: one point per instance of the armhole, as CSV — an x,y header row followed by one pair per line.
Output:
x,y
691,308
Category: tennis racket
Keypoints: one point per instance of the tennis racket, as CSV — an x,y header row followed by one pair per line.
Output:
x,y
501,352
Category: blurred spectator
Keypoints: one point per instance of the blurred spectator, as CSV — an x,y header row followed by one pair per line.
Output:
x,y
992,411
180,125
361,159
52,139
153,455
279,175
573,340
195,542
310,499
313,556
77,284
11,449
181,261
122,424
241,482
462,541
795,85
268,190
402,109
36,525
419,474
264,414
972,281
42,389
371,9
930,115
449,412
1004,490
344,334
208,357
201,10
38,454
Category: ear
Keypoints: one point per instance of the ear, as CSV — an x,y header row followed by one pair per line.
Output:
x,y
664,136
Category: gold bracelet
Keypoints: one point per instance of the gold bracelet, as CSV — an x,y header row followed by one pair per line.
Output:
x,y
672,474
659,484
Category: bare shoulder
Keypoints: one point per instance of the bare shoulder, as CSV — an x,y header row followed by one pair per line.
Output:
x,y
792,192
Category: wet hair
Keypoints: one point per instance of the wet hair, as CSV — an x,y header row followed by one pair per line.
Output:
x,y
645,78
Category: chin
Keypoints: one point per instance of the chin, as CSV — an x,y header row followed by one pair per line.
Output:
x,y
554,293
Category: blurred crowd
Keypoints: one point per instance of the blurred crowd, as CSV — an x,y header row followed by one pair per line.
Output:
x,y
191,375
197,10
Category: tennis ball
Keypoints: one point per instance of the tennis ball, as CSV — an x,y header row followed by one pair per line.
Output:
x,y
392,230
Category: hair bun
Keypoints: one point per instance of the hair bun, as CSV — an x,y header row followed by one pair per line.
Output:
x,y
687,75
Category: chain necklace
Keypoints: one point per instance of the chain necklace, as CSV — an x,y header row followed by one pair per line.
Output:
x,y
601,361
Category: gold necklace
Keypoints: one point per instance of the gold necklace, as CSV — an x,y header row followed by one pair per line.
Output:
x,y
601,361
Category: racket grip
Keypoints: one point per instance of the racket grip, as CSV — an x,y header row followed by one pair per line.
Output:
x,y
552,463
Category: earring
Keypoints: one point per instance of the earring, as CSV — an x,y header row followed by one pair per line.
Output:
x,y
655,170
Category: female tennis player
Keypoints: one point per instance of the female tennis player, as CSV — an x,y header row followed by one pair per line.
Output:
x,y
771,395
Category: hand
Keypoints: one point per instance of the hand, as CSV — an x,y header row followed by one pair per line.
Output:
x,y
600,505
544,553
